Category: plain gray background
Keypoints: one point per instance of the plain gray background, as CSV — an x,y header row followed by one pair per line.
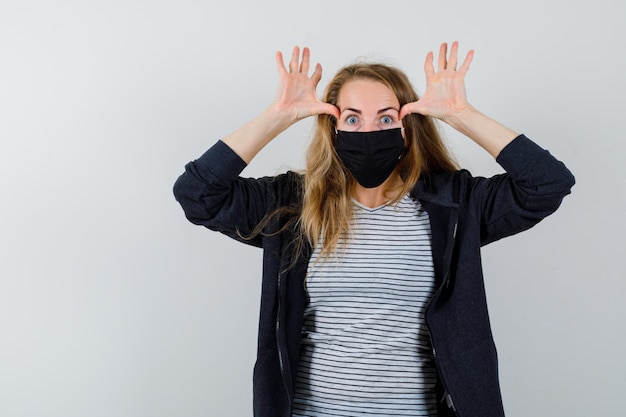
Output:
x,y
112,304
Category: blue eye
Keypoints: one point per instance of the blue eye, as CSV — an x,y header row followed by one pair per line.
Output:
x,y
352,120
386,120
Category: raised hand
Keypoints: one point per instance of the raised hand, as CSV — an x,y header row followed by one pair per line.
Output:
x,y
445,95
295,99
296,96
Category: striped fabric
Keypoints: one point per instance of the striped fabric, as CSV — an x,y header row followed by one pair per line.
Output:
x,y
365,347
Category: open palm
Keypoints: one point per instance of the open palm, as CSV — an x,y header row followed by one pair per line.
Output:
x,y
445,94
296,94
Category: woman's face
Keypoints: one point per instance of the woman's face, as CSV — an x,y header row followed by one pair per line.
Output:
x,y
367,105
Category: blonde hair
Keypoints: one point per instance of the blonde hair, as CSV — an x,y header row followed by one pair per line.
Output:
x,y
327,207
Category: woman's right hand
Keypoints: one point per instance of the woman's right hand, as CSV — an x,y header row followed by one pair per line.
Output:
x,y
296,97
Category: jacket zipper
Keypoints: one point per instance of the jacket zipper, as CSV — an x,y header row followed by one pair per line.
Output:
x,y
446,283
281,354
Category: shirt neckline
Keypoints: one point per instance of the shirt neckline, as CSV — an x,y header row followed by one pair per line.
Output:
x,y
373,209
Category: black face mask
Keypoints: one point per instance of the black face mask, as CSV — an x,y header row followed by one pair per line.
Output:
x,y
370,156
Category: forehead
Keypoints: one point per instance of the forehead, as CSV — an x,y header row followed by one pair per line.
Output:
x,y
364,94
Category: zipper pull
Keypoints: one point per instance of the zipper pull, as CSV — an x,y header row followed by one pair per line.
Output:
x,y
449,402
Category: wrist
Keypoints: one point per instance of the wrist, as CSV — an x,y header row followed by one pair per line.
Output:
x,y
485,131
462,118
277,118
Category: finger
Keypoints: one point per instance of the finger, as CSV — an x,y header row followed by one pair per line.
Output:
x,y
306,56
408,108
466,63
332,110
441,63
295,56
317,74
429,69
280,63
453,59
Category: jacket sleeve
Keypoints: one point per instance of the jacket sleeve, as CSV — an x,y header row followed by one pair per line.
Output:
x,y
212,194
533,187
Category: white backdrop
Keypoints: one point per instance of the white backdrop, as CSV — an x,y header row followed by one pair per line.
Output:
x,y
112,304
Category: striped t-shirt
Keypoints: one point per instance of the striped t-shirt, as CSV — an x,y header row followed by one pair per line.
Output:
x,y
365,347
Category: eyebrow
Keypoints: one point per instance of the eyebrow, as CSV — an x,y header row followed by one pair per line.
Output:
x,y
357,111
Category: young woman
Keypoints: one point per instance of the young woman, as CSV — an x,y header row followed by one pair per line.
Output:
x,y
372,297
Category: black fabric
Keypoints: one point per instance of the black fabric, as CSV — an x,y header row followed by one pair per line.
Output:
x,y
370,156
465,212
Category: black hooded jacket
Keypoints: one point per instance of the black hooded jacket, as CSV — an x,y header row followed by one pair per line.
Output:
x,y
465,213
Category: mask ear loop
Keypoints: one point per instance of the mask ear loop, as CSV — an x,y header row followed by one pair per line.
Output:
x,y
405,150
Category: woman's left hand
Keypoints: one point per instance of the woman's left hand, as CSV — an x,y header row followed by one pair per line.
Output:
x,y
445,96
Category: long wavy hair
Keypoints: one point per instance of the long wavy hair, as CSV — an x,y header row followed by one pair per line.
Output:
x,y
327,208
